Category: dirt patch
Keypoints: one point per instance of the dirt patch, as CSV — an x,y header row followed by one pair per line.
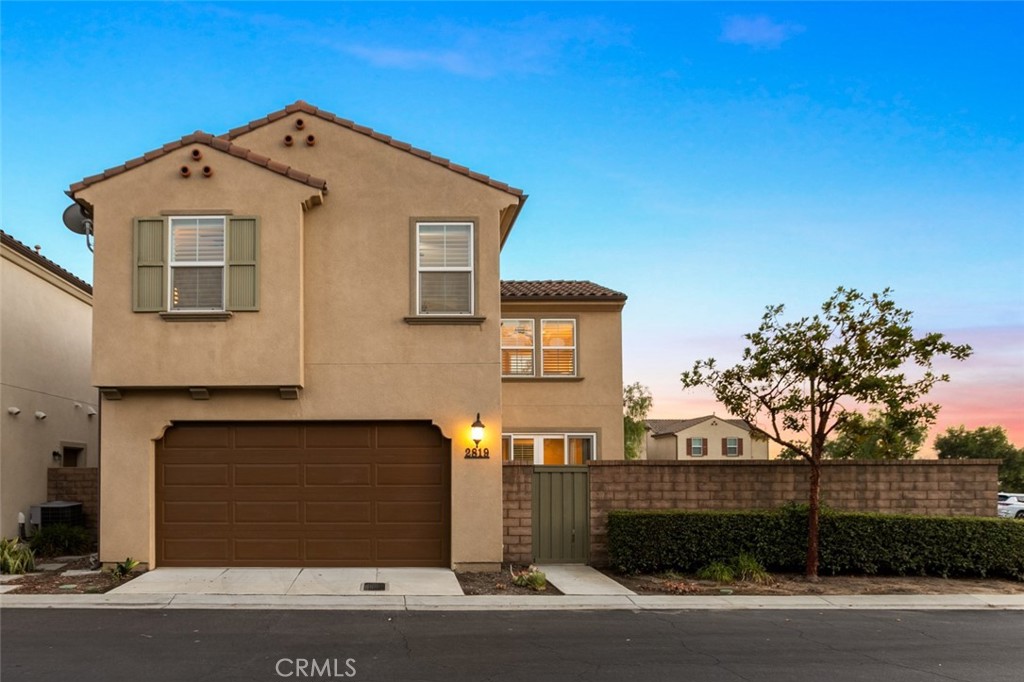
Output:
x,y
788,584
499,582
53,582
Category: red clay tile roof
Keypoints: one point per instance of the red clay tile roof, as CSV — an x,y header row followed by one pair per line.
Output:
x,y
307,108
199,137
45,262
557,290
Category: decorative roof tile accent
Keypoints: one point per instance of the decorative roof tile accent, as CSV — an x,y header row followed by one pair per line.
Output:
x,y
666,427
45,262
557,290
307,108
220,144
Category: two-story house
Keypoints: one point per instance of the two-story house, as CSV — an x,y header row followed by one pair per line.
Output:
x,y
703,438
307,357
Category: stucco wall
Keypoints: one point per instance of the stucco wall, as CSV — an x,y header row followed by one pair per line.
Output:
x,y
668,448
45,348
590,403
345,277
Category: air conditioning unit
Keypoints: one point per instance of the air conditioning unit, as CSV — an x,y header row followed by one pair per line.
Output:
x,y
51,513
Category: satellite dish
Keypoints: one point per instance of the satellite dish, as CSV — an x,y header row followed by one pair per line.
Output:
x,y
75,220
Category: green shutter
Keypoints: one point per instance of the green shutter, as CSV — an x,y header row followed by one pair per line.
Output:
x,y
150,278
243,263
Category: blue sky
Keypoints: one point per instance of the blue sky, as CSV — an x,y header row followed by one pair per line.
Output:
x,y
706,159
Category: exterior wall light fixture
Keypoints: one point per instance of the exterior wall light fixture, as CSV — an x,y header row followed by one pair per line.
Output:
x,y
476,430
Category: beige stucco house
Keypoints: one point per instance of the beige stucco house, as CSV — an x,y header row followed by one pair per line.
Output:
x,y
298,325
703,438
48,406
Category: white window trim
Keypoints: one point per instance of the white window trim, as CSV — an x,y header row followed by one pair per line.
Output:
x,y
538,444
575,345
699,444
171,264
533,346
728,447
470,269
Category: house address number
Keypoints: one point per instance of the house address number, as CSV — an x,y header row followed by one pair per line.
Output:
x,y
478,453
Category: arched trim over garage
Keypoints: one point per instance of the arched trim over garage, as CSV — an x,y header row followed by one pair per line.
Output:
x,y
303,494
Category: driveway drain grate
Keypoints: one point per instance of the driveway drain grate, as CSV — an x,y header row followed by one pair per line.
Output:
x,y
374,587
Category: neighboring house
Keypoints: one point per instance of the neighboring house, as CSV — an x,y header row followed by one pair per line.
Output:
x,y
49,408
297,326
703,438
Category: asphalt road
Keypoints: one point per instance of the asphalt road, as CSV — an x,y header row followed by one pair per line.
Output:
x,y
698,646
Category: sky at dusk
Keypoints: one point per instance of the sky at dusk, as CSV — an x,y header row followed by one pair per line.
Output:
x,y
705,159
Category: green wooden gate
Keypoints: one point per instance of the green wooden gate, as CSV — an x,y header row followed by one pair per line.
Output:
x,y
561,514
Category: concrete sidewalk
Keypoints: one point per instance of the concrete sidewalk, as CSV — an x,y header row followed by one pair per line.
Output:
x,y
418,589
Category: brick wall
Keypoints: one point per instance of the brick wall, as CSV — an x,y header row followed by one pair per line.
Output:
x,y
77,484
517,512
933,487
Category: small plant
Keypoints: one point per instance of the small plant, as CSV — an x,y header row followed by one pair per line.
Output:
x,y
531,578
123,570
748,569
719,571
60,539
16,557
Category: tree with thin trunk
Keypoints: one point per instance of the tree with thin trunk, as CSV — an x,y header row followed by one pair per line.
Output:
x,y
801,380
636,405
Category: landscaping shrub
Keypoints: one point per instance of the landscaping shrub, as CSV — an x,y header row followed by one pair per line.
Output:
x,y
60,539
850,542
15,557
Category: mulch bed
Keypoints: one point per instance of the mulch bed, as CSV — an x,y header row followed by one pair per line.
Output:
x,y
52,582
499,583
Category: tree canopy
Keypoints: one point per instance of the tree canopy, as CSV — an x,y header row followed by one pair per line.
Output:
x,y
799,381
985,442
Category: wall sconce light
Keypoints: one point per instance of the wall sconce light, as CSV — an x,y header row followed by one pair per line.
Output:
x,y
40,415
14,411
476,430
56,456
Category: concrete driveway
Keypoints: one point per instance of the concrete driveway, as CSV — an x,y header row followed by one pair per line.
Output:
x,y
295,581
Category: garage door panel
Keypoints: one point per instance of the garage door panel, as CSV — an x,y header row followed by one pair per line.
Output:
x,y
196,512
266,512
415,512
339,436
410,474
196,549
198,437
304,494
267,550
409,549
355,552
338,512
338,474
192,475
263,437
275,475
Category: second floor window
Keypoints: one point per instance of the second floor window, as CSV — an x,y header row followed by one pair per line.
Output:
x,y
444,268
196,269
517,348
731,447
558,348
696,447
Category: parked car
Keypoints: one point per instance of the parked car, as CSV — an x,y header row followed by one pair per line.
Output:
x,y
1011,505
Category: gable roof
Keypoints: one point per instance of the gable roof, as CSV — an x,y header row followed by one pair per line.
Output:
x,y
667,427
557,290
308,108
44,262
199,137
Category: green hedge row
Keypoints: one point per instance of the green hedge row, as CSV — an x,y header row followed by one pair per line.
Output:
x,y
849,542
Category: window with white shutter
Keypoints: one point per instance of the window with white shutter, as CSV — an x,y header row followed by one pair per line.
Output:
x,y
444,268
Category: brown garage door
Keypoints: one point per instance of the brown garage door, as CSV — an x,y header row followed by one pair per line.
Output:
x,y
303,494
